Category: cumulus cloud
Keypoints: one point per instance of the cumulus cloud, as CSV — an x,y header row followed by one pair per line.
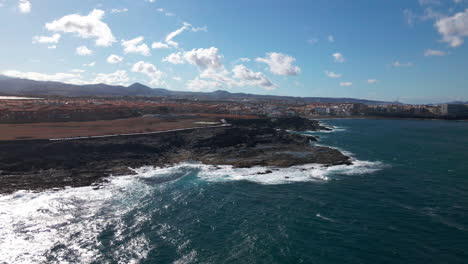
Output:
x,y
83,51
90,26
247,77
204,58
332,74
174,58
159,45
213,74
169,40
149,70
115,78
45,39
114,59
346,84
454,29
24,6
431,52
338,57
280,64
136,46
177,78
372,81
402,64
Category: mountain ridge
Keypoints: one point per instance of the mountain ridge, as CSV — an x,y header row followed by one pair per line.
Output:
x,y
26,87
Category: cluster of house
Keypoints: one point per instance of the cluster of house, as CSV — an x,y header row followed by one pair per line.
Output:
x,y
276,109
86,109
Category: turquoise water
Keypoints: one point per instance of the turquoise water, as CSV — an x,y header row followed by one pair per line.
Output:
x,y
406,201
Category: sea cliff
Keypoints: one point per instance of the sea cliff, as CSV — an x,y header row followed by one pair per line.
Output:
x,y
44,164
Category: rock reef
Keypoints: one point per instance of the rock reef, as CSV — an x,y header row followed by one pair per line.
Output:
x,y
43,164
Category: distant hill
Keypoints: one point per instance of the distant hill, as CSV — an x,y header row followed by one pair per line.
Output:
x,y
24,87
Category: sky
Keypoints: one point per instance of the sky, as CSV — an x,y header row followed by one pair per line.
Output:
x,y
413,51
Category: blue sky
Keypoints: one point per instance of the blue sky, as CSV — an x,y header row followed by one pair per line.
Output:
x,y
412,50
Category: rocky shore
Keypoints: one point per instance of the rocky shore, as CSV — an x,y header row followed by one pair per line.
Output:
x,y
43,164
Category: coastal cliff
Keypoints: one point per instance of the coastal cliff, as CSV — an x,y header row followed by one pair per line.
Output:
x,y
43,164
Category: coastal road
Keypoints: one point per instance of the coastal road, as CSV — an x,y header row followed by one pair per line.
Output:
x,y
139,134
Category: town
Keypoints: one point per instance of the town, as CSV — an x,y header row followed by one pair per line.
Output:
x,y
62,109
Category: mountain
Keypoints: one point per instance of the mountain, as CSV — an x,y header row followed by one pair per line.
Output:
x,y
24,87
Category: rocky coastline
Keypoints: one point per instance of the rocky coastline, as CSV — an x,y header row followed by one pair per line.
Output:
x,y
42,164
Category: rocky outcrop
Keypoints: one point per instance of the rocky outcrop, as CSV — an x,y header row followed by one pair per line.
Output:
x,y
41,164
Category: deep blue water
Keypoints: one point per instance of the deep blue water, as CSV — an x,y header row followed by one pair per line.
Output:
x,y
407,203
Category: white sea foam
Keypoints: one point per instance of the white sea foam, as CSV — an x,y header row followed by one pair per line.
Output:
x,y
266,175
63,226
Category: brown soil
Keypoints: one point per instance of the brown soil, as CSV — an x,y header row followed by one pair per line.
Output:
x,y
104,127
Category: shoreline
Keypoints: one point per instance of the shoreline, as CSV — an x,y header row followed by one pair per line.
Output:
x,y
43,164
387,118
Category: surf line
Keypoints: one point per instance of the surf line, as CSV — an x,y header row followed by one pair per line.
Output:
x,y
138,134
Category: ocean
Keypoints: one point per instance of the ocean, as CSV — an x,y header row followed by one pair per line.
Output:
x,y
405,200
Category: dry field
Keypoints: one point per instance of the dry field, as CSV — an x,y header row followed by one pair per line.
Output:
x,y
105,127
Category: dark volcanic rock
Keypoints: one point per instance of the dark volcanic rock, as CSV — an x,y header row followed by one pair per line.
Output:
x,y
43,164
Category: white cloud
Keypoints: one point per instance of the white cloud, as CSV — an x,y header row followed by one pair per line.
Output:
x,y
174,58
24,6
90,26
91,64
213,74
197,85
136,46
454,29
57,77
114,59
45,39
204,58
346,84
248,77
431,52
162,10
169,40
402,64
159,45
177,78
116,10
372,81
149,70
115,78
280,64
83,51
52,47
331,38
338,57
244,59
332,74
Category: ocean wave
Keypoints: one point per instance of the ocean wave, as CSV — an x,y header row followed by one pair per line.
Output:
x,y
64,226
265,175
